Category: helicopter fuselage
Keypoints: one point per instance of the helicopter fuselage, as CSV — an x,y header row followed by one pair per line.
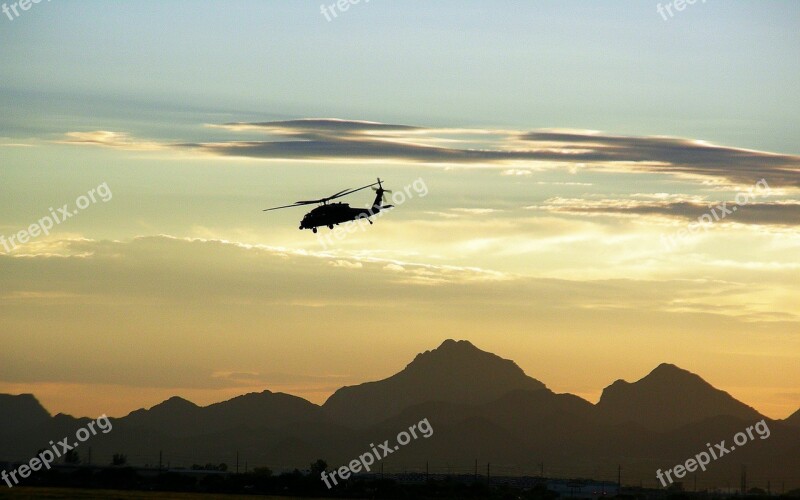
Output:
x,y
336,213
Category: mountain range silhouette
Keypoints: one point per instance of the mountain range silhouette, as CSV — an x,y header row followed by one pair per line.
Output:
x,y
481,407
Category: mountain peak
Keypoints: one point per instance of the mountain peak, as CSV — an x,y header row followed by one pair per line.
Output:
x,y
669,397
23,409
175,405
670,370
178,401
451,346
668,367
456,344
663,377
462,355
451,351
455,372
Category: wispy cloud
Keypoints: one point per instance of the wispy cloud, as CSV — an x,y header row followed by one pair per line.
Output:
x,y
679,156
110,139
516,153
780,213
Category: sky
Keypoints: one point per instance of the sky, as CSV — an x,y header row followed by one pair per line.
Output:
x,y
587,188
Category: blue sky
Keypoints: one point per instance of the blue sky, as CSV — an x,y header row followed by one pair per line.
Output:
x,y
721,71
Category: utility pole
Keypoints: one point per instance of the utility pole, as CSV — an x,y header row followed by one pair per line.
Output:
x,y
744,479
476,470
619,478
160,459
488,472
237,461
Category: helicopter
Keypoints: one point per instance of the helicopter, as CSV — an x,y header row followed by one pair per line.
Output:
x,y
331,214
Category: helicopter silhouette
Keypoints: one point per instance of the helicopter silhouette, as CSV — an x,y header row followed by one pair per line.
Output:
x,y
332,214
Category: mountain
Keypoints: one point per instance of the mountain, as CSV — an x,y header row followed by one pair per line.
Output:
x,y
21,417
667,398
20,413
519,425
179,417
265,409
479,407
173,416
793,419
455,372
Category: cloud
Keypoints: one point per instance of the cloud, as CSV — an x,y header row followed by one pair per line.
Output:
x,y
346,264
514,152
230,378
583,184
778,213
313,128
516,172
110,139
164,269
679,156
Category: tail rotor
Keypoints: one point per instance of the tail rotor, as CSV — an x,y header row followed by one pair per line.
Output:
x,y
381,194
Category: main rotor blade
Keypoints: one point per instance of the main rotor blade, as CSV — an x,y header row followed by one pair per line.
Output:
x,y
357,189
323,200
298,204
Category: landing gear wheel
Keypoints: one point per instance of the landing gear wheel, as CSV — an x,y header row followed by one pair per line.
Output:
x,y
314,230
330,226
